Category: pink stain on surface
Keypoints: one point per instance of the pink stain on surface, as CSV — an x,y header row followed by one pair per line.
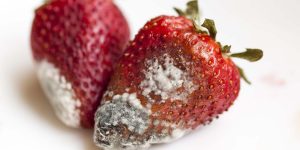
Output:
x,y
273,80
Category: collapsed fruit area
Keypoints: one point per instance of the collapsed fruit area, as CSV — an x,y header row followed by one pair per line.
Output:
x,y
124,119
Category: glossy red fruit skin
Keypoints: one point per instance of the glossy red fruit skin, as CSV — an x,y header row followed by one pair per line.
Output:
x,y
83,38
216,76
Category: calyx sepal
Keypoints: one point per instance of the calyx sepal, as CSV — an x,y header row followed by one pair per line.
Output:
x,y
208,27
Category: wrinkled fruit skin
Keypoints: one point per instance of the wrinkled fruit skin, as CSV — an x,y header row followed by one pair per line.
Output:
x,y
169,81
82,39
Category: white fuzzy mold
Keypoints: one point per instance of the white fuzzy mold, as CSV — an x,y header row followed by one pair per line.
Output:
x,y
123,110
123,123
59,92
163,80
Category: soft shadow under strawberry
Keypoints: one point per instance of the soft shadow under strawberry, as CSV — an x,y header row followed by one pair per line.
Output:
x,y
34,98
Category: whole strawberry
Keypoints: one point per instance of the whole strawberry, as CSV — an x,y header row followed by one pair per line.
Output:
x,y
75,44
173,78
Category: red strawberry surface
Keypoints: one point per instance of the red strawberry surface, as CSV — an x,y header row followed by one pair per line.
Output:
x,y
75,44
170,80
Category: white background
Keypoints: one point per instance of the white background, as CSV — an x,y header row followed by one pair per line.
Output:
x,y
266,116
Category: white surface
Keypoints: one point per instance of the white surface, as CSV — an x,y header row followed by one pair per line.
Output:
x,y
266,115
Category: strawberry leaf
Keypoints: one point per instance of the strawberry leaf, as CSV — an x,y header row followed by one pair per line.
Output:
x,y
180,12
209,24
226,49
243,76
198,28
193,10
251,55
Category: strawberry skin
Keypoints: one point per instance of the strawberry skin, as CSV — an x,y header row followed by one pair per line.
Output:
x,y
170,80
75,44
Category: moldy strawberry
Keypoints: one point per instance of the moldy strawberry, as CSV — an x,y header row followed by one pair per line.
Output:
x,y
75,44
173,78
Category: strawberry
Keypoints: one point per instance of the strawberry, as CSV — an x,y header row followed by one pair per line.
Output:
x,y
75,44
172,78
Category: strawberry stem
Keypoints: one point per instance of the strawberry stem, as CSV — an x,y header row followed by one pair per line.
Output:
x,y
192,12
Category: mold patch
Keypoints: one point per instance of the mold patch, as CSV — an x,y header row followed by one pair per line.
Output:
x,y
59,92
126,111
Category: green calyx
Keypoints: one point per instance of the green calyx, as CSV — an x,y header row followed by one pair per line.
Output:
x,y
209,27
191,12
251,55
